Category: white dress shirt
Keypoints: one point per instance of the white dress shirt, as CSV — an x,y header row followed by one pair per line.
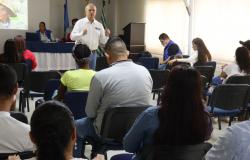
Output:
x,y
14,135
95,33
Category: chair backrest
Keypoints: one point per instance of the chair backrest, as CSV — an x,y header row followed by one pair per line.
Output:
x,y
185,152
207,71
22,71
134,57
181,63
22,155
19,116
76,101
159,77
149,62
51,86
117,121
101,63
204,82
30,36
237,79
123,156
211,63
37,80
230,96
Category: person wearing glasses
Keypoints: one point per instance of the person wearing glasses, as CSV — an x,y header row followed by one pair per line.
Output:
x,y
171,49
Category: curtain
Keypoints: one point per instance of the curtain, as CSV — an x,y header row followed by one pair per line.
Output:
x,y
221,24
170,17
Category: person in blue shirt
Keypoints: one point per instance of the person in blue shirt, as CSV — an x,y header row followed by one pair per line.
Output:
x,y
180,119
44,34
171,49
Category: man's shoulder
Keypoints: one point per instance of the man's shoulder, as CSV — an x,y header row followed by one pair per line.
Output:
x,y
13,122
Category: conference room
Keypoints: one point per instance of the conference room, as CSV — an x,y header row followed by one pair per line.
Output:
x,y
131,79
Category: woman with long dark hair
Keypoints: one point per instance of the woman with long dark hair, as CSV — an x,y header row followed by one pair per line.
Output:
x,y
200,56
53,131
203,53
179,120
11,54
243,59
24,52
241,66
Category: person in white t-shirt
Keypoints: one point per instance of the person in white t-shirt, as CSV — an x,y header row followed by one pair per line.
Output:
x,y
90,32
14,135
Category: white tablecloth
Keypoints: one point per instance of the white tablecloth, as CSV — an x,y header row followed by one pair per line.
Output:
x,y
54,61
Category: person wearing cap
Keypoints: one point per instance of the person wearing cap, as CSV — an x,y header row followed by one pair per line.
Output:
x,y
79,79
124,83
6,11
90,32
246,44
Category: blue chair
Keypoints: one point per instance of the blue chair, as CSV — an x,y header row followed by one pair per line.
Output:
x,y
19,116
180,152
35,86
101,63
124,156
159,78
149,62
22,71
228,100
115,124
76,101
237,79
51,86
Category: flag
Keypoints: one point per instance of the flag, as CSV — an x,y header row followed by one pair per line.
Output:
x,y
66,16
103,17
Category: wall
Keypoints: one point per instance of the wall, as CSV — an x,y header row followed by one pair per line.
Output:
x,y
168,16
122,12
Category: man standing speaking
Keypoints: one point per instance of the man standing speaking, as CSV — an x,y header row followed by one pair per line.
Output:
x,y
90,32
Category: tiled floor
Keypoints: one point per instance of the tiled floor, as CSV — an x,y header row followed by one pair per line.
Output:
x,y
216,132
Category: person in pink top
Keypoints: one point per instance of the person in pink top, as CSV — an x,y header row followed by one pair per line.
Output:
x,y
27,54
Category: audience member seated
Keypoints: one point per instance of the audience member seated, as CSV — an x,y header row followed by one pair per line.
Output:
x,y
26,54
53,131
44,34
79,79
246,44
233,144
171,49
241,67
11,54
14,134
199,57
124,83
69,30
180,119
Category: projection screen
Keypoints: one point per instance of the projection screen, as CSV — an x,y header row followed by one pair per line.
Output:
x,y
14,14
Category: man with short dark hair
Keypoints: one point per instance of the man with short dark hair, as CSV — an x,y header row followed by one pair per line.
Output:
x,y
171,49
124,83
14,134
